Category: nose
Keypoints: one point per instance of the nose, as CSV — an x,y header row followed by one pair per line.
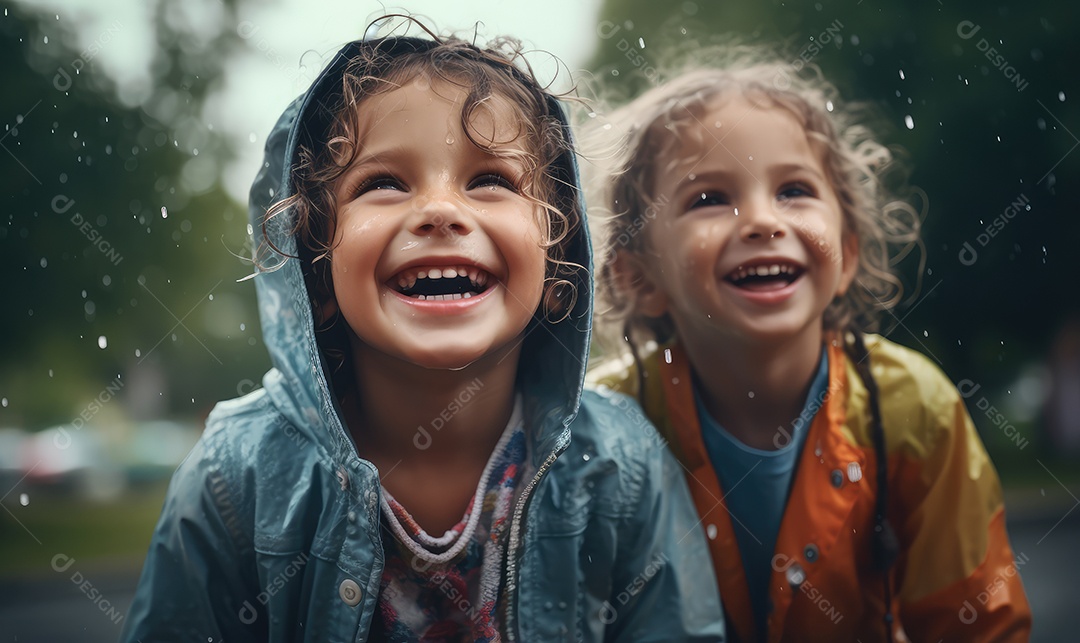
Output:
x,y
440,211
760,220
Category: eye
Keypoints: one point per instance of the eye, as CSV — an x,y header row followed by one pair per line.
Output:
x,y
381,182
708,199
492,181
794,191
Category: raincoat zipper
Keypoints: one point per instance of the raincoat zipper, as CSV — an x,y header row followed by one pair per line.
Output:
x,y
515,538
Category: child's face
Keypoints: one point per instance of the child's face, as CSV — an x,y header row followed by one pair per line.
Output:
x,y
437,258
749,241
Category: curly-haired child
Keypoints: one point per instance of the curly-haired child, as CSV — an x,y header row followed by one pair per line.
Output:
x,y
421,464
843,488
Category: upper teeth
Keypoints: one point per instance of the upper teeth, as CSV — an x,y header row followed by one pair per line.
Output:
x,y
763,270
407,279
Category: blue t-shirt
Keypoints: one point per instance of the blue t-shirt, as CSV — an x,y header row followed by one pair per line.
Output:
x,y
756,485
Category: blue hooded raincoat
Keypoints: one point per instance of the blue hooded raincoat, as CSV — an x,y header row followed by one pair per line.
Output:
x,y
271,526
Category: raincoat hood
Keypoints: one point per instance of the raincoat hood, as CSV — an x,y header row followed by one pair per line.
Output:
x,y
552,365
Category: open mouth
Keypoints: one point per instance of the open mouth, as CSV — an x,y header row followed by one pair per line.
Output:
x,y
443,283
763,277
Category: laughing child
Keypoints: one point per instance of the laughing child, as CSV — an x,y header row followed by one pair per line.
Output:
x,y
421,463
843,488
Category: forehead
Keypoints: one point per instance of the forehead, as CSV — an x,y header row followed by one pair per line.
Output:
x,y
421,104
740,131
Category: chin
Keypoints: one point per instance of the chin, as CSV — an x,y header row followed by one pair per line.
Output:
x,y
444,358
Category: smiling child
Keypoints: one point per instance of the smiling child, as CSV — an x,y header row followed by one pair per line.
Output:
x,y
844,491
421,463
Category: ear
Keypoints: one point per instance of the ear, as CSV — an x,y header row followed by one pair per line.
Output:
x,y
850,262
633,275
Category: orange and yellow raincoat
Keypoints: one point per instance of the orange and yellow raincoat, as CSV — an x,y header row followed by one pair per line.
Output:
x,y
955,578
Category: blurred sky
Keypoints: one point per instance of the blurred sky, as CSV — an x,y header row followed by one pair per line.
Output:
x,y
290,40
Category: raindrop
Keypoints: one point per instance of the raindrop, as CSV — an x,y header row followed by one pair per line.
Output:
x,y
750,395
4,402
718,124
138,353
691,176
614,72
89,307
1061,96
24,499
910,122
46,40
736,211
164,213
641,42
751,158
829,105
44,262
251,137
63,178
901,74
925,334
585,457
102,342
243,327
449,140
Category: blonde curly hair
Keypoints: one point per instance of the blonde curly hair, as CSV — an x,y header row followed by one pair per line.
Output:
x,y
629,145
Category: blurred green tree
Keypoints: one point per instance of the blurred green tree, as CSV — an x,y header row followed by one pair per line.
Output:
x,y
117,249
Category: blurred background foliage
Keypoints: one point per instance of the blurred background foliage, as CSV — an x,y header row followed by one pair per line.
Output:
x,y
119,240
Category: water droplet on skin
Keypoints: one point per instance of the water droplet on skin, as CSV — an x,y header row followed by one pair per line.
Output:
x,y
736,211
164,213
449,140
102,342
410,245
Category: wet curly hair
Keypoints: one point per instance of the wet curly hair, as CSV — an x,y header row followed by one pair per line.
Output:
x,y
633,142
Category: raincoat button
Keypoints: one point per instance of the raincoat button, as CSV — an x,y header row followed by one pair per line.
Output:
x,y
837,478
811,553
795,575
349,592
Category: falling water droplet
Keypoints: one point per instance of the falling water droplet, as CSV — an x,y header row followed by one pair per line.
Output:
x,y
910,122
102,342
164,213
24,499
901,74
